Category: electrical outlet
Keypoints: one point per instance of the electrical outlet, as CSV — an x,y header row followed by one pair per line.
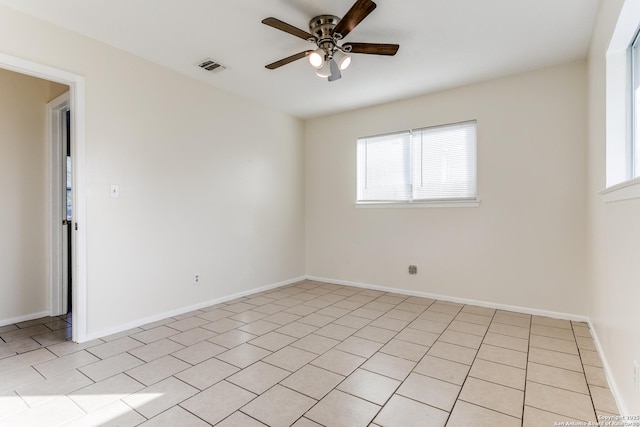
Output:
x,y
413,269
196,278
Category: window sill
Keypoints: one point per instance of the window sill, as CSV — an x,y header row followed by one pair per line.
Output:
x,y
435,204
624,191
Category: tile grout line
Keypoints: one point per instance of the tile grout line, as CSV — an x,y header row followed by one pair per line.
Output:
x,y
562,368
359,367
526,372
584,372
401,382
332,302
471,365
292,373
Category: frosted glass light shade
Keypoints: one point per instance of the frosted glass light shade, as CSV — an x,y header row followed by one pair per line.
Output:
x,y
342,60
324,71
316,58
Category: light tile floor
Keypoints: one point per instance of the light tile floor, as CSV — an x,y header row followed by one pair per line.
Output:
x,y
309,354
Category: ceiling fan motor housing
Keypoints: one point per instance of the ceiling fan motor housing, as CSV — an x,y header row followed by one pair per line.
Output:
x,y
322,26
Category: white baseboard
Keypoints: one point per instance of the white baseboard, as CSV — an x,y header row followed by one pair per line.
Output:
x,y
176,312
557,315
622,409
24,318
525,310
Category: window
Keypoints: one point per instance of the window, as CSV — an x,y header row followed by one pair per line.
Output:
x,y
424,165
623,107
635,103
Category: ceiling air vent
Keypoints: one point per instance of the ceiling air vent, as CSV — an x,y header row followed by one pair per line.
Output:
x,y
211,65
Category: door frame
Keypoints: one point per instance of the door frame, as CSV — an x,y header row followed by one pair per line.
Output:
x,y
56,112
76,84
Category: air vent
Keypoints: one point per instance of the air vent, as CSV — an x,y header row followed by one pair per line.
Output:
x,y
211,65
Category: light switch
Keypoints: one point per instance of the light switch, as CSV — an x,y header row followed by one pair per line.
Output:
x,y
115,191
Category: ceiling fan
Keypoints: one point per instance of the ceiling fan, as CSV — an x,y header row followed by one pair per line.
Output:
x,y
326,32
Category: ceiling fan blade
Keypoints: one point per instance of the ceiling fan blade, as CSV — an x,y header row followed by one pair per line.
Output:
x,y
355,15
335,71
283,26
287,60
373,48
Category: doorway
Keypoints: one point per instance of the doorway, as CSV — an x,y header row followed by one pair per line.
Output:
x,y
67,281
59,113
75,288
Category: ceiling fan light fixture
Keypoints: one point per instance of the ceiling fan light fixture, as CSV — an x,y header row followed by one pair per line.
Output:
x,y
330,57
342,59
324,71
316,58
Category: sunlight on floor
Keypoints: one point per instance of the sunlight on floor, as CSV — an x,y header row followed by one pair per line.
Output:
x,y
53,409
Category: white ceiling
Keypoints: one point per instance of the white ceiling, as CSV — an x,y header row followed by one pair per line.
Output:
x,y
443,43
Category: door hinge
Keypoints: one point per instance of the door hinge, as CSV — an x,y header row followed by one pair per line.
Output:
x,y
76,226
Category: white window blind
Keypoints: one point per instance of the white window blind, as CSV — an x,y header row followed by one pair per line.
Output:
x,y
435,163
384,167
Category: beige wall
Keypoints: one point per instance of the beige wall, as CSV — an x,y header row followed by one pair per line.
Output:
x,y
56,89
215,184
209,183
614,236
524,246
23,216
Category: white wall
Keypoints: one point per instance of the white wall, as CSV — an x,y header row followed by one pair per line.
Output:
x,y
524,246
209,183
23,216
614,294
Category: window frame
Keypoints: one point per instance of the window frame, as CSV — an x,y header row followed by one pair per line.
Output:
x,y
622,146
634,107
471,201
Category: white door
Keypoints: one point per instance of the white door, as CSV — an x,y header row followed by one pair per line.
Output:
x,y
61,209
67,212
